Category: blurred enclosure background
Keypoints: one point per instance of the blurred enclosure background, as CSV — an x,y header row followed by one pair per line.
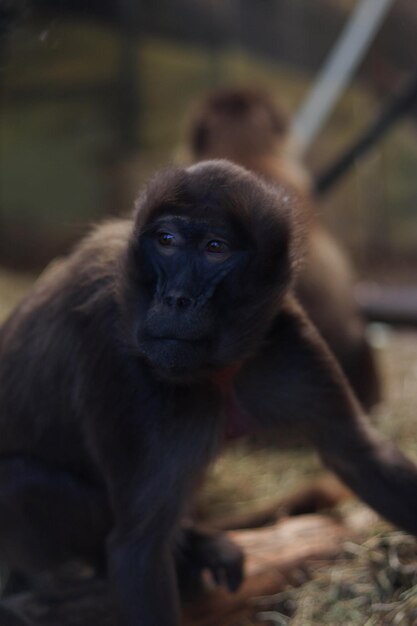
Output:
x,y
95,94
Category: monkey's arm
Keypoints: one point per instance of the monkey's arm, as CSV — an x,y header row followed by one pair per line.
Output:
x,y
152,449
295,383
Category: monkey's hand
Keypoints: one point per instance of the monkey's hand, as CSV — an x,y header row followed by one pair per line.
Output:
x,y
201,550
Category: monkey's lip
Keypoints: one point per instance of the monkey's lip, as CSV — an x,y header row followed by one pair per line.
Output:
x,y
174,357
172,339
175,328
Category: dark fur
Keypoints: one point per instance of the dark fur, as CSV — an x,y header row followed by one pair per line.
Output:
x,y
107,423
245,126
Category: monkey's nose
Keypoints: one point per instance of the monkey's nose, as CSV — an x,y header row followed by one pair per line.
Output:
x,y
178,301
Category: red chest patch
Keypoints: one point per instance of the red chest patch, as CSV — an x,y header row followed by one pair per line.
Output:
x,y
238,421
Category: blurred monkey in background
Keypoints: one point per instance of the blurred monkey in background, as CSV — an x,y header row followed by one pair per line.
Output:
x,y
247,127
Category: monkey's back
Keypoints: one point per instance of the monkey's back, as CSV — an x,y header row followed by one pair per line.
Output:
x,y
49,346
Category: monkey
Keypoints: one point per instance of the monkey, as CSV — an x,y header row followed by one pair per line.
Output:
x,y
248,128
132,361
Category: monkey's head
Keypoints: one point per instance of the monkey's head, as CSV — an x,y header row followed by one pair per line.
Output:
x,y
212,252
234,123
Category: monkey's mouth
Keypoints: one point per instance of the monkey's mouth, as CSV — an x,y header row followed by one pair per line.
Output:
x,y
172,339
174,354
174,327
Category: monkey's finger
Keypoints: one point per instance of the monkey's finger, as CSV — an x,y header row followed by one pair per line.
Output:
x,y
230,576
234,577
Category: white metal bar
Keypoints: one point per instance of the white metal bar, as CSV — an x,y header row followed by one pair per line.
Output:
x,y
338,69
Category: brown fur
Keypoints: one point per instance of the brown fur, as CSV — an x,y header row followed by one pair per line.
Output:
x,y
110,405
247,127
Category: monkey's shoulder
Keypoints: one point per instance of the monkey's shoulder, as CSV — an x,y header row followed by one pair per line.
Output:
x,y
57,339
93,263
72,299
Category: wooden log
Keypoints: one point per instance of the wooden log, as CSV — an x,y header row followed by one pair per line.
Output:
x,y
275,557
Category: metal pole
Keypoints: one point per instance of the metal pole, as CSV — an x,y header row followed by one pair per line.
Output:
x,y
338,69
397,107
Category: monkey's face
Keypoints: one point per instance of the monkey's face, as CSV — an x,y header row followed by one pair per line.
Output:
x,y
193,261
210,269
238,124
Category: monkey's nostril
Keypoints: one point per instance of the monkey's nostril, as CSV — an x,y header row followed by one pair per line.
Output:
x,y
183,303
180,302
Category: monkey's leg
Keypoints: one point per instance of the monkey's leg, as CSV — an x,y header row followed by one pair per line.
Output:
x,y
295,383
48,517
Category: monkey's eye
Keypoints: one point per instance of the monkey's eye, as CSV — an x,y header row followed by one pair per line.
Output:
x,y
165,239
217,251
216,246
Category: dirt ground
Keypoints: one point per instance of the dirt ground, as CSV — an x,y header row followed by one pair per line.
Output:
x,y
372,585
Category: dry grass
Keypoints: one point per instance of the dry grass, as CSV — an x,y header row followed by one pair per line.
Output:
x,y
372,584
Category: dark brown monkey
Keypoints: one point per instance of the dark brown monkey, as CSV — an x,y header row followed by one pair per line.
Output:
x,y
131,361
246,127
